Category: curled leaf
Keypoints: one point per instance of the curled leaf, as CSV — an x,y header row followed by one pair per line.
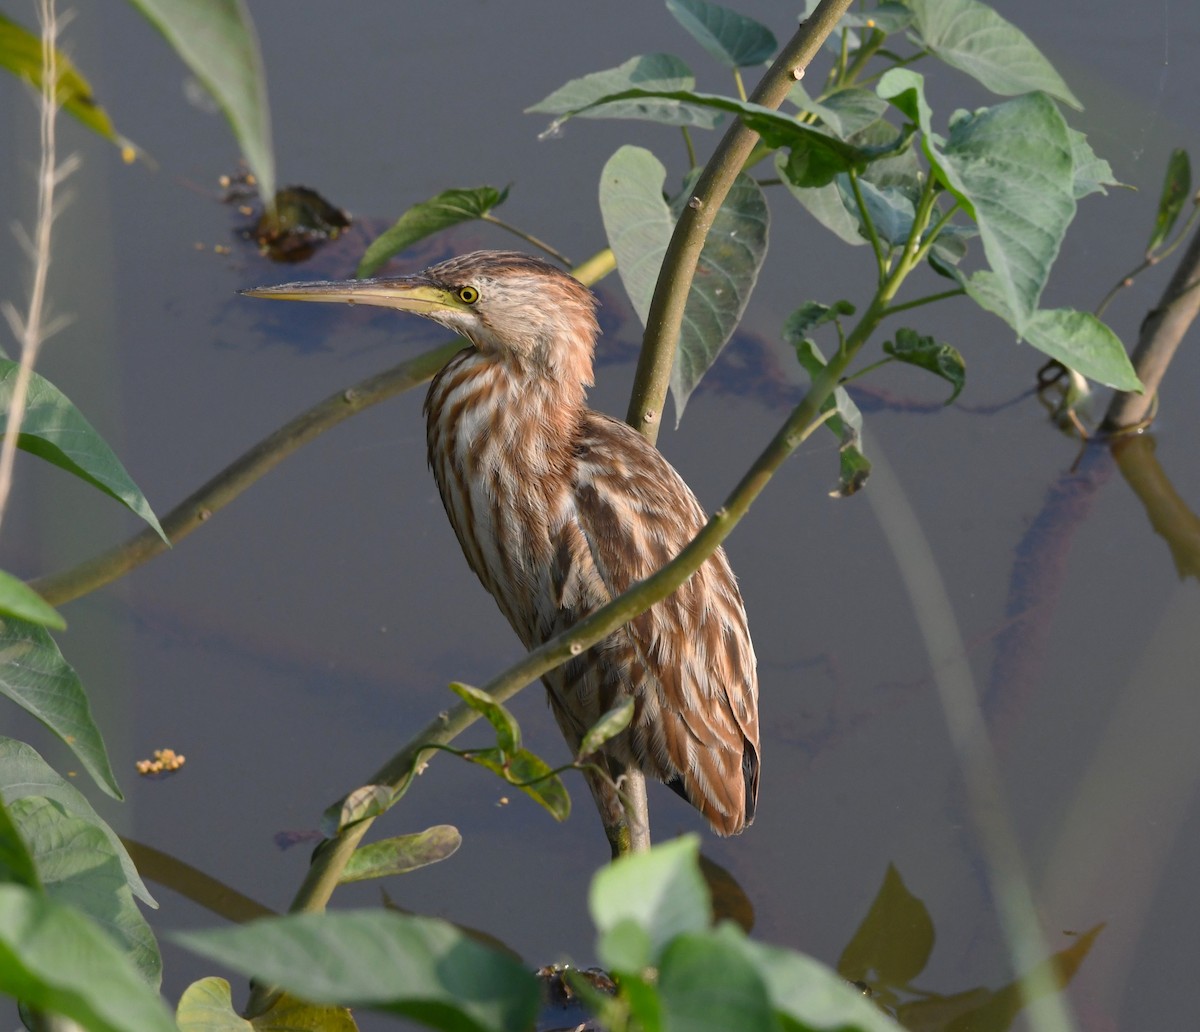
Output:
x,y
926,353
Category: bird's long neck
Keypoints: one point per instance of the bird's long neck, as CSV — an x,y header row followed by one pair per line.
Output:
x,y
480,404
502,450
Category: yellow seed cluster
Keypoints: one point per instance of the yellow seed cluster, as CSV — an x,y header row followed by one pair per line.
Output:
x,y
165,760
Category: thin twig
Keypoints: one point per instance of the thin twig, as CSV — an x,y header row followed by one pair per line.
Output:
x,y
529,238
32,331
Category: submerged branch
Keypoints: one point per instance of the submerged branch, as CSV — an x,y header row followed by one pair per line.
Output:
x,y
222,489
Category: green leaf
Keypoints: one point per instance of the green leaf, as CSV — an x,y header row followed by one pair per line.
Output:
x,y
364,802
37,678
926,353
1012,168
905,89
1092,174
530,773
846,424
733,39
20,600
1082,342
848,111
21,54
402,854
608,726
813,149
23,773
1177,187
16,863
973,38
660,891
890,208
216,40
78,866
1077,339
949,249
56,960
893,943
707,984
811,315
55,430
207,1006
508,731
639,223
649,71
824,203
449,208
417,967
804,991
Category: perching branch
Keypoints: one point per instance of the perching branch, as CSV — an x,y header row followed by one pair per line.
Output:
x,y
683,252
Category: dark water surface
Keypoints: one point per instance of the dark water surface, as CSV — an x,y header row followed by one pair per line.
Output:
x,y
290,645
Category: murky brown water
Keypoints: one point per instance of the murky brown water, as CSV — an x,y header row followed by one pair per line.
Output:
x,y
290,645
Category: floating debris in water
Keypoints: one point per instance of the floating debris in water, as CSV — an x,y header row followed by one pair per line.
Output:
x,y
166,761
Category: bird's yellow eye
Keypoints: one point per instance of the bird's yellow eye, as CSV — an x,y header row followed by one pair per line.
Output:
x,y
468,295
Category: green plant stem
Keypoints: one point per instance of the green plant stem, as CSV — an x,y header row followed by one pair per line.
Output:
x,y
691,148
881,257
928,299
865,52
1148,262
683,251
529,238
741,86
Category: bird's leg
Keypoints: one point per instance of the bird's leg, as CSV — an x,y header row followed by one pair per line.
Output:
x,y
637,811
621,802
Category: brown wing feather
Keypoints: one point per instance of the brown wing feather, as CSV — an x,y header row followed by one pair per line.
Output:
x,y
690,659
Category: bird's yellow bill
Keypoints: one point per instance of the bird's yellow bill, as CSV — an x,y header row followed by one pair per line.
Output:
x,y
407,294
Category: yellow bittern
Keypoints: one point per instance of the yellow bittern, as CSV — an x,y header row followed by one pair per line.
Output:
x,y
559,509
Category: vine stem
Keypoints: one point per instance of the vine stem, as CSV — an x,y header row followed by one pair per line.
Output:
x,y
683,252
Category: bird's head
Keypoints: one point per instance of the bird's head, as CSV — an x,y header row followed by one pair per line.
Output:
x,y
510,306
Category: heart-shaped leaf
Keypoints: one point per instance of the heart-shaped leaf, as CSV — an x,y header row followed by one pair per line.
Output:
x,y
639,223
